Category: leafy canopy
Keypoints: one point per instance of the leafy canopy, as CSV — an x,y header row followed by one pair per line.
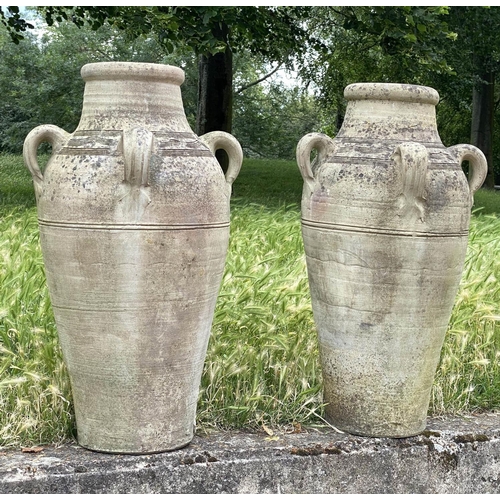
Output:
x,y
13,21
274,32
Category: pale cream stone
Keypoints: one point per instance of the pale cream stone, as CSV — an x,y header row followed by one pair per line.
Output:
x,y
385,219
133,210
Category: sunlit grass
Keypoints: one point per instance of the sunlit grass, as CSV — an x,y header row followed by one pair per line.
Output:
x,y
262,365
34,388
468,378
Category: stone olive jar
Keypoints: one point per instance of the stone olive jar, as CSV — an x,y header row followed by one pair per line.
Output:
x,y
385,219
133,211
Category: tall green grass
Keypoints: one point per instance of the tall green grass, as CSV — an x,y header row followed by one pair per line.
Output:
x,y
262,365
34,388
468,378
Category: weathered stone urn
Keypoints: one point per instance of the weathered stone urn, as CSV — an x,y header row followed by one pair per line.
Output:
x,y
385,219
133,213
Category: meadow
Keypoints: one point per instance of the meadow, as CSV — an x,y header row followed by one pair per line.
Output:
x,y
262,365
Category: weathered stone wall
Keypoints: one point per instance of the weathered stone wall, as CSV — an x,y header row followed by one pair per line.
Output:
x,y
460,455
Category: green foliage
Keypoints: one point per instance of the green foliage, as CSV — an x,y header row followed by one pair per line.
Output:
x,y
262,364
377,44
17,69
474,53
40,79
487,202
469,372
269,119
412,34
477,44
40,83
14,23
332,46
270,31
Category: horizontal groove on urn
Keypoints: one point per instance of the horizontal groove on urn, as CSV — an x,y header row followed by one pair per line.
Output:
x,y
130,227
396,232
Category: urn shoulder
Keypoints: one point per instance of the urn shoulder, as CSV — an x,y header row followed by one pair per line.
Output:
x,y
133,158
387,167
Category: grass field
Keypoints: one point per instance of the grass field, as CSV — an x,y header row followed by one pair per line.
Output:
x,y
262,365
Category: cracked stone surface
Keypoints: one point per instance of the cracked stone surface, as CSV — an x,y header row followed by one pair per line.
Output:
x,y
453,455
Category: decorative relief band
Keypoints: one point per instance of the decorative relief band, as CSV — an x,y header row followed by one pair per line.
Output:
x,y
383,231
362,140
93,143
353,149
82,151
109,143
183,152
130,227
177,140
363,160
180,144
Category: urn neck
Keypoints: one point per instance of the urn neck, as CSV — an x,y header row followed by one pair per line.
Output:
x,y
128,95
399,112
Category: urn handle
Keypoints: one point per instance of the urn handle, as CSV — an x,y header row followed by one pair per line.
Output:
x,y
322,144
223,140
44,133
134,191
412,159
137,147
477,162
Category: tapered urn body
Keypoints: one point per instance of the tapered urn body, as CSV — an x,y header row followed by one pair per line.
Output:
x,y
133,213
385,219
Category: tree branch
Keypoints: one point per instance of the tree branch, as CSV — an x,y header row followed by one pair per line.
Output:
x,y
241,89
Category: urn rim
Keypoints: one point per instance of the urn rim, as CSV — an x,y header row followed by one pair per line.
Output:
x,y
132,71
391,92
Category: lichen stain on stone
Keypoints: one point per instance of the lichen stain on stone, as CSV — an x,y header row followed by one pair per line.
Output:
x,y
311,451
471,438
448,460
429,433
202,458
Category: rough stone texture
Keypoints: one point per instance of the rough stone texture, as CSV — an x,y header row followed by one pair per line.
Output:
x,y
385,218
459,455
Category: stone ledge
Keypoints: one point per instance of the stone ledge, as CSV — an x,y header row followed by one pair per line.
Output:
x,y
453,455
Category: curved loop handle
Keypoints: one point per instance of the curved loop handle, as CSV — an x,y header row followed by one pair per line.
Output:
x,y
223,140
322,143
44,133
412,159
477,162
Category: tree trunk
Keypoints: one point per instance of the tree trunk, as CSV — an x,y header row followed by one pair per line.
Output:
x,y
215,96
483,106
